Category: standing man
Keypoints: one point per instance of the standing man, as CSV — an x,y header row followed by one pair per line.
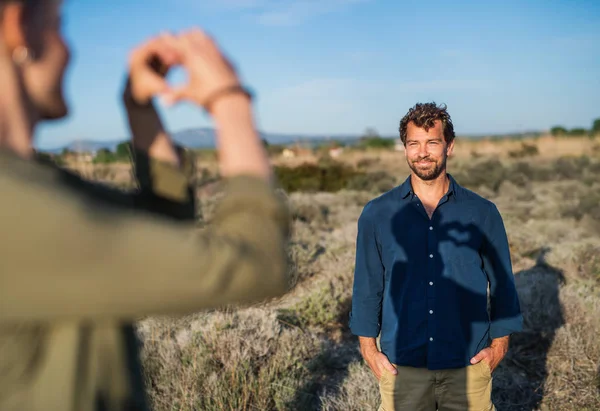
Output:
x,y
433,280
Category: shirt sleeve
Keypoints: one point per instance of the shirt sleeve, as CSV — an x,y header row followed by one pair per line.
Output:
x,y
505,311
367,294
65,255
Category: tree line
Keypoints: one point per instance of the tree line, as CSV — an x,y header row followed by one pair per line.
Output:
x,y
577,132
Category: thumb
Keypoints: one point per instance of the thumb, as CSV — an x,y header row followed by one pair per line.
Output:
x,y
173,95
388,365
480,356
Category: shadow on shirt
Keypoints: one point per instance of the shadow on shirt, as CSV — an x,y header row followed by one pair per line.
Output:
x,y
519,380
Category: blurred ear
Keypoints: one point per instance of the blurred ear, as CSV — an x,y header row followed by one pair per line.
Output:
x,y
12,26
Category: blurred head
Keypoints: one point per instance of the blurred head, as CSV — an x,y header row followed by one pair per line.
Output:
x,y
30,37
428,136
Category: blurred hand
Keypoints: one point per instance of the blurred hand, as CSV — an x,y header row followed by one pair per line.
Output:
x,y
208,70
149,64
379,362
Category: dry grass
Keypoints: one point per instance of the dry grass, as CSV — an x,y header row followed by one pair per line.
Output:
x,y
296,353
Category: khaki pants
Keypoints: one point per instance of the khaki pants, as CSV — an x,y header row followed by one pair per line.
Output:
x,y
419,389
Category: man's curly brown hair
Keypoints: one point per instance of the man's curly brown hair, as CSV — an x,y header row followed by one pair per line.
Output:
x,y
424,115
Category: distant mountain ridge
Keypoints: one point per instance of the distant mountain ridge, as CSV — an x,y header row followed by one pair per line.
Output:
x,y
205,138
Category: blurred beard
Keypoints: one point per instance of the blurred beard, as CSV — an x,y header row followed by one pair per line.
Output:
x,y
433,170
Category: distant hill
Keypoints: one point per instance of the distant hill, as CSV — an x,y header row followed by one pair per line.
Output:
x,y
205,138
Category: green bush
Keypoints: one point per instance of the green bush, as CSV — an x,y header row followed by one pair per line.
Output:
x,y
105,156
578,132
331,176
377,182
489,173
377,142
595,127
327,176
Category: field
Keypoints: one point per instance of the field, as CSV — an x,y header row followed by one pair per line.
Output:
x,y
296,353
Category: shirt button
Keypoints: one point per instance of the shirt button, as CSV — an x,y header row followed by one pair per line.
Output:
x,y
430,255
431,283
430,228
430,311
430,338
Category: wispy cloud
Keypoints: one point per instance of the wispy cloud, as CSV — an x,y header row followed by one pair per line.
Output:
x,y
283,12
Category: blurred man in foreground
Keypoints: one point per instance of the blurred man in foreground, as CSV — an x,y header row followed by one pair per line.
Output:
x,y
80,262
426,253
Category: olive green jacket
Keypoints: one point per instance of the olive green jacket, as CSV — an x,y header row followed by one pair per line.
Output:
x,y
80,263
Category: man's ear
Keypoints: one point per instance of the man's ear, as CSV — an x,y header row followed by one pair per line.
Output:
x,y
450,149
12,26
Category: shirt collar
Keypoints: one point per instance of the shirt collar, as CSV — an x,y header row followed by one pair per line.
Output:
x,y
406,187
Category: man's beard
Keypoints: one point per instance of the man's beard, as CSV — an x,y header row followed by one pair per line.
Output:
x,y
429,173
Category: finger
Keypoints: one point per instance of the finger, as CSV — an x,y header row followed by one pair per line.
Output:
x,y
169,49
158,47
165,55
207,43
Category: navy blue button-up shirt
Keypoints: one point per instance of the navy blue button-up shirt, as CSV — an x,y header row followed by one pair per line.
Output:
x,y
421,284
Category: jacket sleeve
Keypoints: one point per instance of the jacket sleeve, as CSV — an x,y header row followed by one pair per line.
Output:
x,y
505,310
64,255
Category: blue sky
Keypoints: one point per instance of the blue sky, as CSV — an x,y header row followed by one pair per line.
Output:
x,y
340,66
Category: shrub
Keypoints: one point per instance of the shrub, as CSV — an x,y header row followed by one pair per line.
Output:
x,y
105,156
558,131
377,182
376,142
588,262
570,168
578,132
326,308
526,150
311,213
489,173
237,361
328,175
366,162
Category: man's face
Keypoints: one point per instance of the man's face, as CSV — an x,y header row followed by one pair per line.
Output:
x,y
426,151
